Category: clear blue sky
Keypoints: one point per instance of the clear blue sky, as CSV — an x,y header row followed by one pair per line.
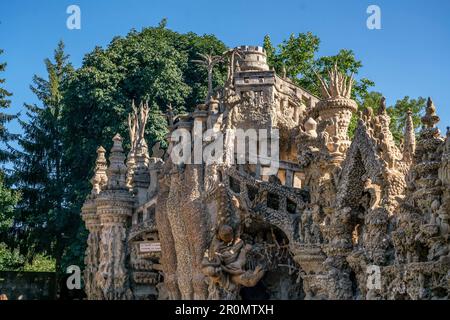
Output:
x,y
410,55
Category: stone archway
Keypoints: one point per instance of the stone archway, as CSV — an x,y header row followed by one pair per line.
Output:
x,y
282,279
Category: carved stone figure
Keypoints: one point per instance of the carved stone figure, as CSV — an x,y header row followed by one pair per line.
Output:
x,y
224,264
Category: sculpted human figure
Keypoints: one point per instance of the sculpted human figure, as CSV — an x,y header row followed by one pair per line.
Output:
x,y
224,263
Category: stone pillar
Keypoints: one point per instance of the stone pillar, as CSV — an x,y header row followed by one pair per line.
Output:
x,y
444,176
114,208
91,260
92,221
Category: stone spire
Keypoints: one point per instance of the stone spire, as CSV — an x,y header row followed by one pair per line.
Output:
x,y
389,152
430,119
117,169
409,144
382,108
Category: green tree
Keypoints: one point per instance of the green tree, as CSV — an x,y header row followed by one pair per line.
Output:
x,y
298,56
270,52
8,200
5,135
9,259
42,222
40,263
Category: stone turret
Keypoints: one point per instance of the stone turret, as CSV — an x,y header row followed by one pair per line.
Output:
x,y
253,58
335,111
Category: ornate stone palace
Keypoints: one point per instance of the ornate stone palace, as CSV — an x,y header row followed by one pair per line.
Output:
x,y
342,218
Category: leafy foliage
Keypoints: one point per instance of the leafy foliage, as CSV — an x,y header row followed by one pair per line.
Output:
x,y
5,135
296,56
8,199
41,263
12,260
42,221
8,196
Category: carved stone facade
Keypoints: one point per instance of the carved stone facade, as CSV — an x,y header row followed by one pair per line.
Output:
x,y
340,218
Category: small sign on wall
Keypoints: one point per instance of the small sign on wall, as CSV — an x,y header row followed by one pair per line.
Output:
x,y
149,247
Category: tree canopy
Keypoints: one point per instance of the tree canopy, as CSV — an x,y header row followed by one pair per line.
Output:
x,y
296,56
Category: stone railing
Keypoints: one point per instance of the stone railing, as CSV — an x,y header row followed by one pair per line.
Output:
x,y
275,204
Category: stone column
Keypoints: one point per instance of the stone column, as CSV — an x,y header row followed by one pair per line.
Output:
x,y
114,208
91,260
92,221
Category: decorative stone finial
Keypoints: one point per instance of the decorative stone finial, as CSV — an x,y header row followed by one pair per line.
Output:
x,y
117,143
430,119
311,127
117,170
382,109
99,179
339,85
